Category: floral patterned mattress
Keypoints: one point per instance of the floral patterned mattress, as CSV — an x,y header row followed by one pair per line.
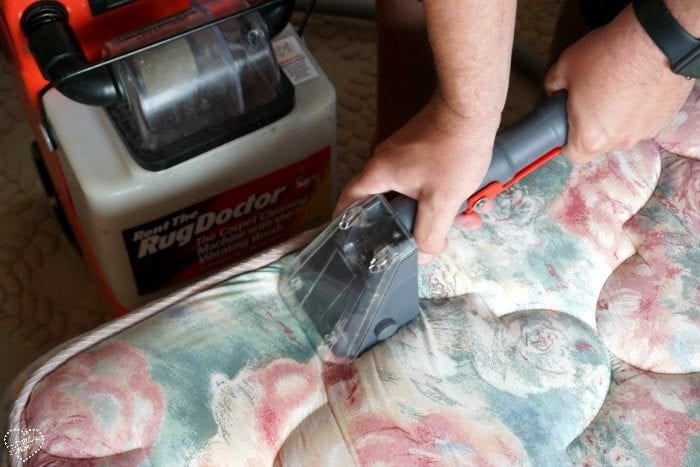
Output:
x,y
561,328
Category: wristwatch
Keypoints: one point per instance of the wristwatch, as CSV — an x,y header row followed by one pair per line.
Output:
x,y
681,48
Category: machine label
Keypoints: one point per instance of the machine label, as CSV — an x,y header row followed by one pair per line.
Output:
x,y
295,63
230,226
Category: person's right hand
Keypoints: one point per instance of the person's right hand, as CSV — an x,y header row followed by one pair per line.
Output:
x,y
621,89
439,158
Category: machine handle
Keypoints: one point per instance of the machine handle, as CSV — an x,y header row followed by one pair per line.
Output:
x,y
518,150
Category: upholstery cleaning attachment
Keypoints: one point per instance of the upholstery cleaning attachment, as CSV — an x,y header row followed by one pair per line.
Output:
x,y
357,283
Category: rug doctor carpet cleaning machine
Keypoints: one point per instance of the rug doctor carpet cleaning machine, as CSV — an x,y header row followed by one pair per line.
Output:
x,y
176,137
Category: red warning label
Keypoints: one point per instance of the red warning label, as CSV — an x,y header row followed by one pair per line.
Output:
x,y
230,226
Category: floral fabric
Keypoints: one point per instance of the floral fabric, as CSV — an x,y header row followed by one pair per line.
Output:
x,y
561,328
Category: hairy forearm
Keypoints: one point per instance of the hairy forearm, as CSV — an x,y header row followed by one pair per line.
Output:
x,y
472,42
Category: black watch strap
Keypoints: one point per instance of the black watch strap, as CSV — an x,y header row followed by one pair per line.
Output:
x,y
681,48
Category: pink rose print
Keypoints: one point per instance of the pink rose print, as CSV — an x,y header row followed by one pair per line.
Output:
x,y
257,409
682,178
660,422
603,194
342,383
439,288
645,309
435,439
648,417
626,320
640,317
101,403
287,385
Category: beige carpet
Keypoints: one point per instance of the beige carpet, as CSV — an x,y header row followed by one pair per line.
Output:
x,y
47,294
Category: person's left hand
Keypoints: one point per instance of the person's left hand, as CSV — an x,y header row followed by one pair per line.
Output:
x,y
621,89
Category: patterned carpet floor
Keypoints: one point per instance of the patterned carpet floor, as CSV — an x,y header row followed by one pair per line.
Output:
x,y
47,294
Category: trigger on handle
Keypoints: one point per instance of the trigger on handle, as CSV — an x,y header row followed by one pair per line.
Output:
x,y
490,191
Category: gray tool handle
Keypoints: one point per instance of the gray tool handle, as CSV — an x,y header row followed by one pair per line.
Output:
x,y
516,147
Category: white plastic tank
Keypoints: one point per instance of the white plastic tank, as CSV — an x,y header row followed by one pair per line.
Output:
x,y
154,231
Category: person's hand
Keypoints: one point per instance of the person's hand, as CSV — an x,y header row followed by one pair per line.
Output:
x,y
621,89
438,158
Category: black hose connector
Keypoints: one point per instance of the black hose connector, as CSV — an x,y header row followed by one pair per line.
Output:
x,y
277,15
58,54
